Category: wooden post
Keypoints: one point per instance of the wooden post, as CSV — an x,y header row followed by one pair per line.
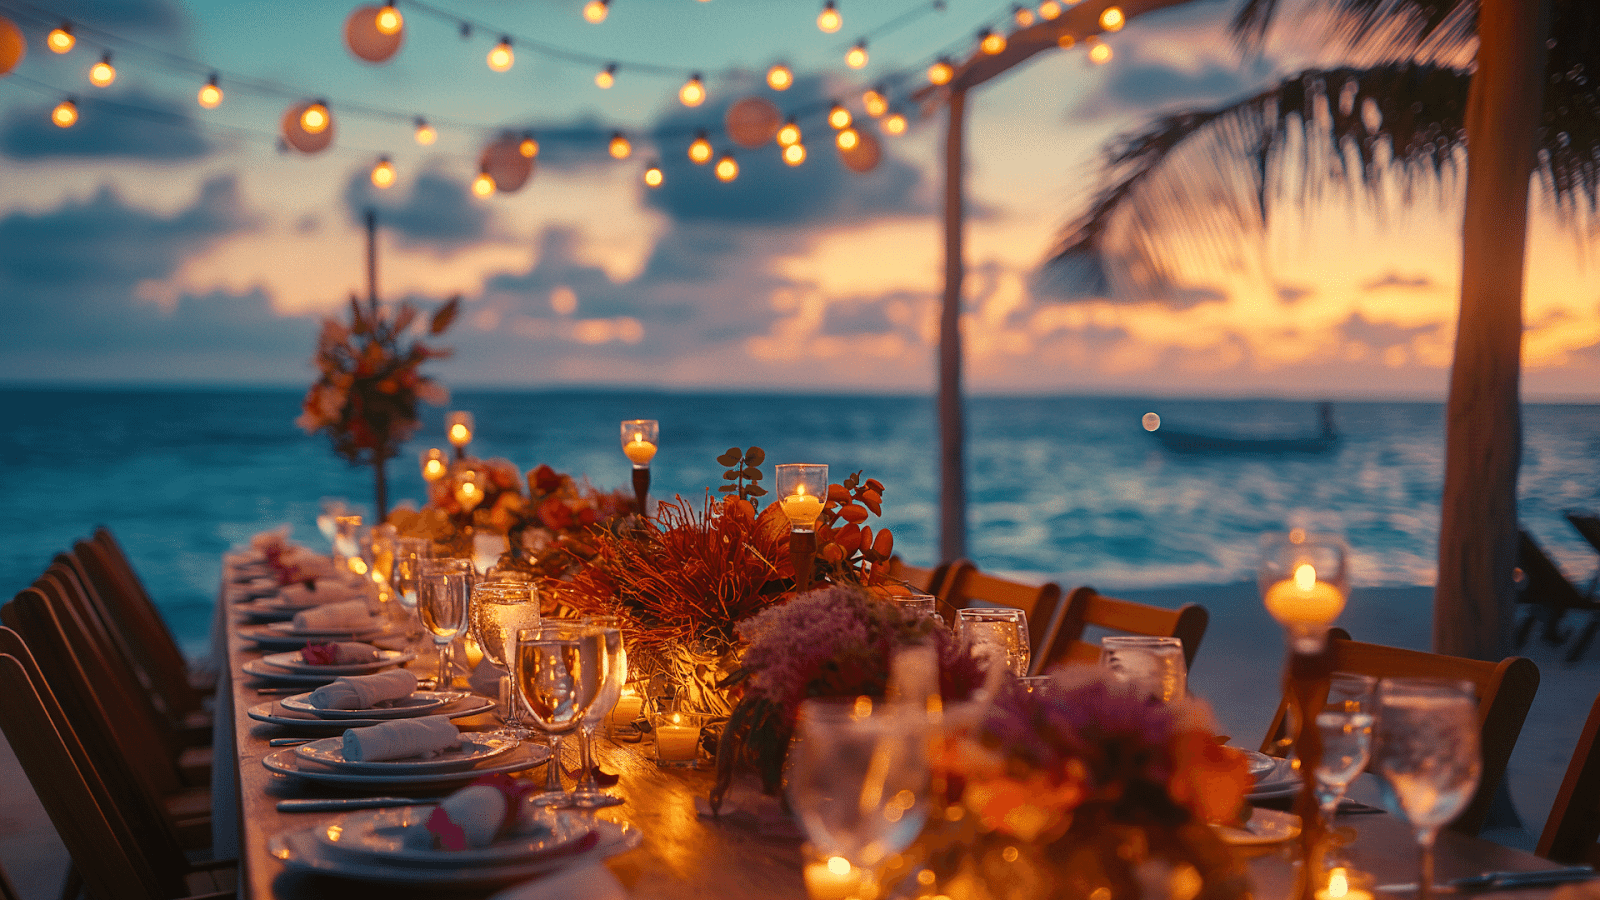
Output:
x,y
952,422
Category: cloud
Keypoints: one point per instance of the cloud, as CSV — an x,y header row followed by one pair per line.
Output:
x,y
1291,294
1358,329
436,212
136,125
1139,83
1396,280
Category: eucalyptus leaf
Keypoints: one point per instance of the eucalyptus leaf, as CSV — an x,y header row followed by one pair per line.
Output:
x,y
756,456
728,488
730,474
730,458
756,491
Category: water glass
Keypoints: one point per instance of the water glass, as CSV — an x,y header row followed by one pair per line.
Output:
x,y
1426,748
560,668
918,604
1152,666
588,795
998,634
444,587
332,508
500,609
1345,725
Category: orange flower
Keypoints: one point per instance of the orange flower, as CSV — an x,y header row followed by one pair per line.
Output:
x,y
1208,778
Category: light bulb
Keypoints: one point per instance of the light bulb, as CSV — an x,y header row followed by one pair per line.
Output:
x,y
389,20
1049,9
65,113
383,173
992,42
700,149
528,147
727,169
606,77
847,139
1112,18
210,95
314,119
653,176
102,73
619,147
941,72
895,124
483,185
501,57
61,39
780,77
794,154
1022,15
1066,41
596,10
856,57
425,133
839,117
828,20
1100,53
874,102
789,134
693,92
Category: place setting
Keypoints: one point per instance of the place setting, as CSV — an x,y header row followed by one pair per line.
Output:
x,y
355,701
319,663
346,620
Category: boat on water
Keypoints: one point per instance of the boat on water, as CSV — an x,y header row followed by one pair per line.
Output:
x,y
1180,440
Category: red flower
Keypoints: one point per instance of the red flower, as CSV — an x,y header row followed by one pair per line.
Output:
x,y
555,514
544,480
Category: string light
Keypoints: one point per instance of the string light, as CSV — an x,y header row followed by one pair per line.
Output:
x,y
1022,15
501,57
315,118
619,146
528,147
210,96
727,169
828,20
383,174
1099,51
1049,10
700,149
1112,19
606,77
596,10
941,72
65,114
874,102
1066,41
856,58
389,20
789,134
895,124
780,77
425,133
847,139
653,176
794,154
483,185
102,73
693,92
61,38
839,117
992,42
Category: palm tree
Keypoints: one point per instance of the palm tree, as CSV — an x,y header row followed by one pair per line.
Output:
x,y
1444,77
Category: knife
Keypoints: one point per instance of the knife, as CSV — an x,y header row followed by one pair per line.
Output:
x,y
1502,881
344,803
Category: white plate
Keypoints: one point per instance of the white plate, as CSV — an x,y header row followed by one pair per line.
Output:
x,y
286,762
268,638
475,748
258,669
379,835
291,660
275,714
1266,826
419,703
375,624
300,851
1282,781
1260,763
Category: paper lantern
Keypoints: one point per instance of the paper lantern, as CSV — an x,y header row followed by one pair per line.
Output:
x,y
367,39
752,122
308,136
504,162
864,156
13,47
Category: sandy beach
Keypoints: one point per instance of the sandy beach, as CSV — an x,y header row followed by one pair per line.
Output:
x,y
1237,670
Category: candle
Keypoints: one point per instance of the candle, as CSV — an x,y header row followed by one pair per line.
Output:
x,y
433,464
677,738
627,709
458,428
832,879
639,451
1344,884
1303,600
802,509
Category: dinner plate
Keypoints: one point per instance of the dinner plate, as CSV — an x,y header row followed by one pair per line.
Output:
x,y
268,638
287,762
291,660
376,624
1282,781
380,835
1265,826
1260,763
419,703
259,669
300,851
474,749
275,714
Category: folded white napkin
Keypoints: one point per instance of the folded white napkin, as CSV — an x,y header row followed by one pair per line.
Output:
x,y
346,615
592,882
364,691
326,591
400,739
338,653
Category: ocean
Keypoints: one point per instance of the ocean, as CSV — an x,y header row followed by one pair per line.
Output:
x,y
1063,488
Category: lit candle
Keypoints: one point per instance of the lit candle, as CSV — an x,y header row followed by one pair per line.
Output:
x,y
677,738
468,494
639,451
639,438
433,464
1344,884
1303,600
458,428
802,508
832,879
627,709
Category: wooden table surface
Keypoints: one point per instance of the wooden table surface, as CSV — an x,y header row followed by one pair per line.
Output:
x,y
685,854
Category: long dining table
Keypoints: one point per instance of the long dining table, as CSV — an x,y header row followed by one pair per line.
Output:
x,y
683,852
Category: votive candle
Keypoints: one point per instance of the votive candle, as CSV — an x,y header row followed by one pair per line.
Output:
x,y
832,879
677,738
1304,600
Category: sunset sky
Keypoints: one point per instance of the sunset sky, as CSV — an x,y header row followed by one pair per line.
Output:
x,y
159,242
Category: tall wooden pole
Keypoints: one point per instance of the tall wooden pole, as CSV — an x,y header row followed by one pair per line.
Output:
x,y
1475,599
380,461
952,423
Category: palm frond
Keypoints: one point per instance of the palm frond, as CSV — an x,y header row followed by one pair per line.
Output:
x,y
1423,30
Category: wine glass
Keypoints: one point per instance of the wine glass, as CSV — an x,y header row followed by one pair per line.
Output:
x,y
332,509
997,633
588,794
560,668
1345,724
500,609
1153,666
859,780
1304,579
443,588
1426,747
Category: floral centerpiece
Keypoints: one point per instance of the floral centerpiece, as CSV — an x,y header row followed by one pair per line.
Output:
x,y
369,384
1082,789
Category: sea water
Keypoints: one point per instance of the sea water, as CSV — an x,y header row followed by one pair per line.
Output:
x,y
1064,488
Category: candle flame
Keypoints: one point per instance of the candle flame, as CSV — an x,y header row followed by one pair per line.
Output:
x,y
1338,883
838,865
1305,576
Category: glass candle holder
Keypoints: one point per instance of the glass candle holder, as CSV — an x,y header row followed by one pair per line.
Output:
x,y
676,727
458,430
1304,579
639,440
802,492
434,465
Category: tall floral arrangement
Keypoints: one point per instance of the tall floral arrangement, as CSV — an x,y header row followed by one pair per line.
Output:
x,y
369,384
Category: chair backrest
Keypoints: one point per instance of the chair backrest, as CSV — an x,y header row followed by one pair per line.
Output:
x,y
105,847
1505,692
964,586
1087,607
1544,584
1572,832
923,581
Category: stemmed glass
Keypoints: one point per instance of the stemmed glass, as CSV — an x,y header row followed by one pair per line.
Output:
x,y
1426,747
501,609
859,780
588,794
332,509
443,588
560,669
1153,666
1345,724
998,633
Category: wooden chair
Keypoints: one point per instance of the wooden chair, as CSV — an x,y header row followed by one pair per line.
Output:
x,y
964,586
1547,590
1087,607
115,854
1572,832
1505,692
923,581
